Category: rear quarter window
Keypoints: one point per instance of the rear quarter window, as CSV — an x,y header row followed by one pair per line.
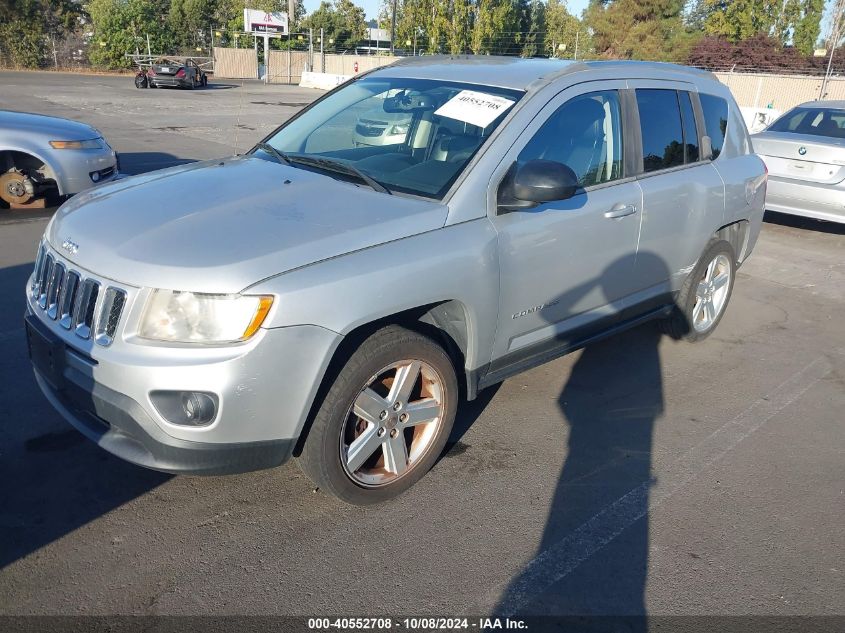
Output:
x,y
715,120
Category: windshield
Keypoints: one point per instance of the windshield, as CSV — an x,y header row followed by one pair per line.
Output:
x,y
408,135
817,121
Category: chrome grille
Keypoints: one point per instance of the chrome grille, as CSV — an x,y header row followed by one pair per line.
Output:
x,y
82,305
54,287
68,299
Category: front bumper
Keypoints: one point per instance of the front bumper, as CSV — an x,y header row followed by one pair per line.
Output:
x,y
75,168
265,390
812,200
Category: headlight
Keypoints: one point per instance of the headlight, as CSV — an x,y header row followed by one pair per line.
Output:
x,y
93,143
191,317
399,128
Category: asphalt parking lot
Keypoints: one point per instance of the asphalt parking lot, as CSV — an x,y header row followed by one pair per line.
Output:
x,y
639,476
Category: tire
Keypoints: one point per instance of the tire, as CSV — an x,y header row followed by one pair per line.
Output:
x,y
140,81
204,81
354,448
692,319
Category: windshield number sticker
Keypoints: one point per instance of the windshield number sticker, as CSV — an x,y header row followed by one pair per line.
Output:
x,y
476,108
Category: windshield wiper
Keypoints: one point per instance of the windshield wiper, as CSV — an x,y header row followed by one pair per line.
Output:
x,y
340,166
280,156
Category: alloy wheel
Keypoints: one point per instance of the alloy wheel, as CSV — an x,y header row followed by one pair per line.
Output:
x,y
711,295
392,423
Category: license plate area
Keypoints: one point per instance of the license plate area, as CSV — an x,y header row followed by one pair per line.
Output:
x,y
46,352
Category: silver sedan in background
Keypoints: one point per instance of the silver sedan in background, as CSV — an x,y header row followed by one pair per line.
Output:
x,y
44,154
804,151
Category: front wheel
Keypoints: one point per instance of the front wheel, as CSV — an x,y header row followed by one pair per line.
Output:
x,y
385,419
704,297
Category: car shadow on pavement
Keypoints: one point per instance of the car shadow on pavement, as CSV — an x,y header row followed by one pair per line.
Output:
x,y
54,480
132,163
806,224
592,558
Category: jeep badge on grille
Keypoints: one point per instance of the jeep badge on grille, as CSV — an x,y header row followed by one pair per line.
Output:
x,y
70,246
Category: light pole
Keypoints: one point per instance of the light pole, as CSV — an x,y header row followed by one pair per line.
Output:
x,y
392,27
839,9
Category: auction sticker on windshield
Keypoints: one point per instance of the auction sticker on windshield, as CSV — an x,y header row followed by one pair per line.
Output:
x,y
476,108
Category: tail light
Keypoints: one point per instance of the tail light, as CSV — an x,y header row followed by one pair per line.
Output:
x,y
181,72
151,72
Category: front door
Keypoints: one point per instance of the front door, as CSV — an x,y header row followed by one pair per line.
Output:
x,y
567,266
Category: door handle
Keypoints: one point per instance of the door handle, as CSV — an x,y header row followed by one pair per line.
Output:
x,y
621,210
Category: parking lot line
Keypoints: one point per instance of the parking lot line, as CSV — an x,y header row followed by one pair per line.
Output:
x,y
556,562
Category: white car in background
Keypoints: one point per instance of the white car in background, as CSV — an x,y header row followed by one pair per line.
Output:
x,y
804,151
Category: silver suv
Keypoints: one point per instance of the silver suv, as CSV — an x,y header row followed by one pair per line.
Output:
x,y
335,302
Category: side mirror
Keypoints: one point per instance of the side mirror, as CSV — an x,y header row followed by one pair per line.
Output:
x,y
535,181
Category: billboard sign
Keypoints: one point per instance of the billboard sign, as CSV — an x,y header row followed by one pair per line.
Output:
x,y
264,22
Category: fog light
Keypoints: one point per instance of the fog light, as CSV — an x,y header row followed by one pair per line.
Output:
x,y
199,407
95,176
187,408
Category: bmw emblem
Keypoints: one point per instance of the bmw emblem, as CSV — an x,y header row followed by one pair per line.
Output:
x,y
802,150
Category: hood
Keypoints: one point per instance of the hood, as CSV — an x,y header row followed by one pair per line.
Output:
x,y
221,226
54,127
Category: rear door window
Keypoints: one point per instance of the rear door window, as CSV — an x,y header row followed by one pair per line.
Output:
x,y
661,128
715,121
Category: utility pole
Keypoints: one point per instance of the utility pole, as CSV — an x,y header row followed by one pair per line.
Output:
x,y
833,41
393,27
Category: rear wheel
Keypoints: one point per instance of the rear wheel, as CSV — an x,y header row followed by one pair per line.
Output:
x,y
384,420
141,80
704,297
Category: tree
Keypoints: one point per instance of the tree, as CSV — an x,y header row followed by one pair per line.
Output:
x,y
27,27
795,22
808,27
121,27
639,29
491,18
456,20
534,40
760,52
561,29
191,21
342,22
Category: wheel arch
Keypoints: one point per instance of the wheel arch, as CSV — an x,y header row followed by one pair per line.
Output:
x,y
13,156
445,322
736,234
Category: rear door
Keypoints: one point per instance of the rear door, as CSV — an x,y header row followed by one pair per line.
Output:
x,y
683,195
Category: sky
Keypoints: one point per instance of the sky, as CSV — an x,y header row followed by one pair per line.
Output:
x,y
371,6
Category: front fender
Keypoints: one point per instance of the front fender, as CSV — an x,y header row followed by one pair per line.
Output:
x,y
36,151
455,263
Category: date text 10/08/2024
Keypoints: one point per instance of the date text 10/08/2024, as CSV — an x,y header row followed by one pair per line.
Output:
x,y
411,624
